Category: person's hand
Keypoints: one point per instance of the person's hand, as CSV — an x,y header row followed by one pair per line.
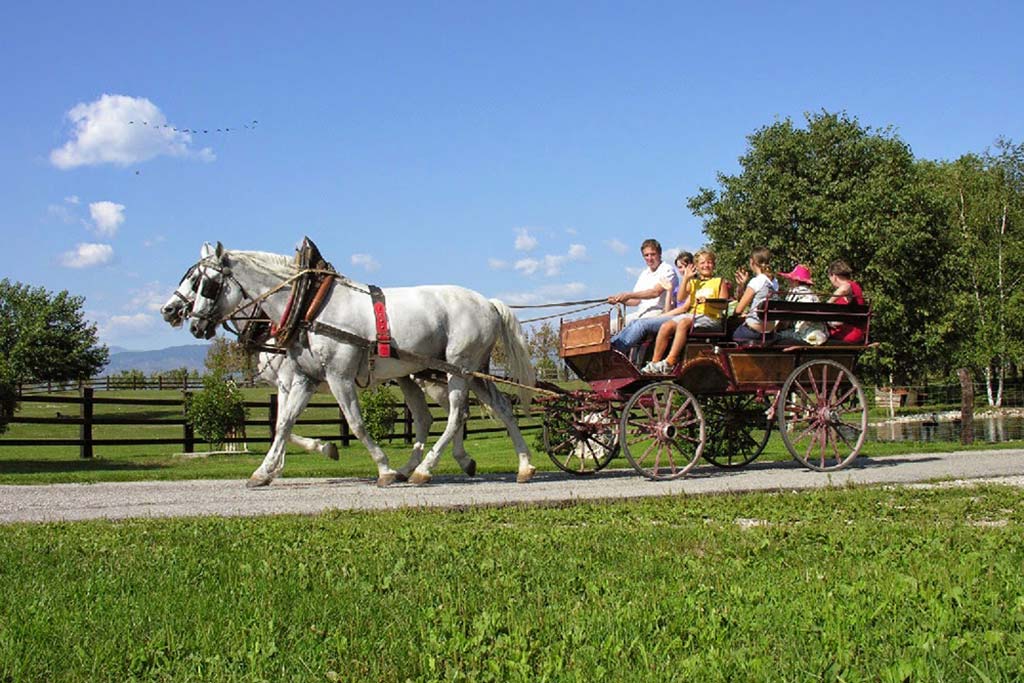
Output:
x,y
689,271
741,277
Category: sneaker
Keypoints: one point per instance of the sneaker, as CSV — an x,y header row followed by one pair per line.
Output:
x,y
656,368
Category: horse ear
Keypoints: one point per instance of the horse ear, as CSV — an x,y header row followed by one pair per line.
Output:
x,y
220,250
206,250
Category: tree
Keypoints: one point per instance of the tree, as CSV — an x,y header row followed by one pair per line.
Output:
x,y
985,319
228,357
837,189
128,379
44,336
217,409
543,342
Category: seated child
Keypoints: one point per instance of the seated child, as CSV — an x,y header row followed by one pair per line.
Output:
x,y
699,286
847,292
806,331
684,261
764,286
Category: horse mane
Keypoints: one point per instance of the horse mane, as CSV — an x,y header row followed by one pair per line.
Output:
x,y
277,265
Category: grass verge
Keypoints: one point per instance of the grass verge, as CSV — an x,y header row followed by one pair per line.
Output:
x,y
852,585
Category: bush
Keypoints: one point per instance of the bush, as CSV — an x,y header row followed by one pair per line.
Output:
x,y
379,413
217,409
8,402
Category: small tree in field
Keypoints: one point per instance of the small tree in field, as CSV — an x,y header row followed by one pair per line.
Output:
x,y
216,410
378,411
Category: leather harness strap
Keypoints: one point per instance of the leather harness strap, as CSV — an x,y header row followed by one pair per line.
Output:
x,y
380,316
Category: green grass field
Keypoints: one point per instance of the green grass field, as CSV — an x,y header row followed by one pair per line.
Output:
x,y
61,464
842,585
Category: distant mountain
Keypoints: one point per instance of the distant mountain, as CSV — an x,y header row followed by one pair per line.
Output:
x,y
191,356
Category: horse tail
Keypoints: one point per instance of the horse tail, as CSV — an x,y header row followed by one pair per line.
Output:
x,y
518,355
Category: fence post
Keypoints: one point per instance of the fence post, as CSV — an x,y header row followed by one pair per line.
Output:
x,y
85,429
346,437
407,424
189,437
272,416
966,406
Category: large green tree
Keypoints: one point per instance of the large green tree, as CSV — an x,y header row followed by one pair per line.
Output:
x,y
836,189
45,336
985,311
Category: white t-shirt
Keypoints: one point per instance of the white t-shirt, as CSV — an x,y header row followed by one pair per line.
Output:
x,y
663,275
763,288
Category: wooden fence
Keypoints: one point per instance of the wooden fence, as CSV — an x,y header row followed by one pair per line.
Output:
x,y
87,419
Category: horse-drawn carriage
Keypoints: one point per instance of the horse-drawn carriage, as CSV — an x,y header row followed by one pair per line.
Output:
x,y
720,403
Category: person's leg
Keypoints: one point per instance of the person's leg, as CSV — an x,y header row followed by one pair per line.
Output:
x,y
664,338
635,332
682,331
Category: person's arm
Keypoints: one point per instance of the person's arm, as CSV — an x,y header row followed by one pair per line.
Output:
x,y
748,296
633,298
843,289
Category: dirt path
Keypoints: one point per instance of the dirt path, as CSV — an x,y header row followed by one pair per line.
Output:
x,y
309,496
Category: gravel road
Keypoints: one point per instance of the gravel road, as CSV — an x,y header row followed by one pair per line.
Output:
x,y
230,498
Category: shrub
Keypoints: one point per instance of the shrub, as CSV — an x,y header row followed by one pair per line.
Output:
x,y
216,409
379,413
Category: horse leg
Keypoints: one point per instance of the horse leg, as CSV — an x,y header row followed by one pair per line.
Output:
x,y
315,445
295,401
344,391
456,408
489,395
439,392
421,419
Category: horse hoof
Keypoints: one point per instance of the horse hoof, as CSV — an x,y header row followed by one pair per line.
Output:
x,y
401,476
525,475
257,482
331,451
471,468
418,479
386,480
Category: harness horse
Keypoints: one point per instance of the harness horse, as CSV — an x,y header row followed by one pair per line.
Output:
x,y
276,368
434,327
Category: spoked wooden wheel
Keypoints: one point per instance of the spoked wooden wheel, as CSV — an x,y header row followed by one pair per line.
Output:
x,y
662,431
580,436
823,415
737,427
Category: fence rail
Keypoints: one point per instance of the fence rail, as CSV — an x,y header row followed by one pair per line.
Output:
x,y
86,419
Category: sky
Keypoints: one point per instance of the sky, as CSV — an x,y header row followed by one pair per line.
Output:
x,y
524,149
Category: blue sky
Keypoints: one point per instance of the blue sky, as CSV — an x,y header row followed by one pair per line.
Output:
x,y
520,149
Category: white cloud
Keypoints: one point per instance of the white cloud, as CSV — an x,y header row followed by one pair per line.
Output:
x,y
122,130
71,199
571,231
553,265
633,272
366,262
577,252
497,264
617,246
150,297
107,217
543,295
60,212
126,324
87,255
527,266
524,240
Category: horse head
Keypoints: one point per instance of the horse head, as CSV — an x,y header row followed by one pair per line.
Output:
x,y
217,293
179,306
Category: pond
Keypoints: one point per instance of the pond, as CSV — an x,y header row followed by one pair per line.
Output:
x,y
991,429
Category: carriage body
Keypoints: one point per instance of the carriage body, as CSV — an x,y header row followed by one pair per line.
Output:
x,y
722,401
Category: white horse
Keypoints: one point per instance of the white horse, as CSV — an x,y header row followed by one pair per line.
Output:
x,y
277,369
429,324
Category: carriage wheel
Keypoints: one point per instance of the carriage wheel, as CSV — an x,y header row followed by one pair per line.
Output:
x,y
738,429
580,437
824,415
662,431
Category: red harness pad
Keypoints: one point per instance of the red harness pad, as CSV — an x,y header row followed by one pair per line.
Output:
x,y
380,316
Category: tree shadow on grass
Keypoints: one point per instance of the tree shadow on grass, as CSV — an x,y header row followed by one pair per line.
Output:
x,y
81,465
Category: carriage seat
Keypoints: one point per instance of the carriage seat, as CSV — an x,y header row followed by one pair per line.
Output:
x,y
777,310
